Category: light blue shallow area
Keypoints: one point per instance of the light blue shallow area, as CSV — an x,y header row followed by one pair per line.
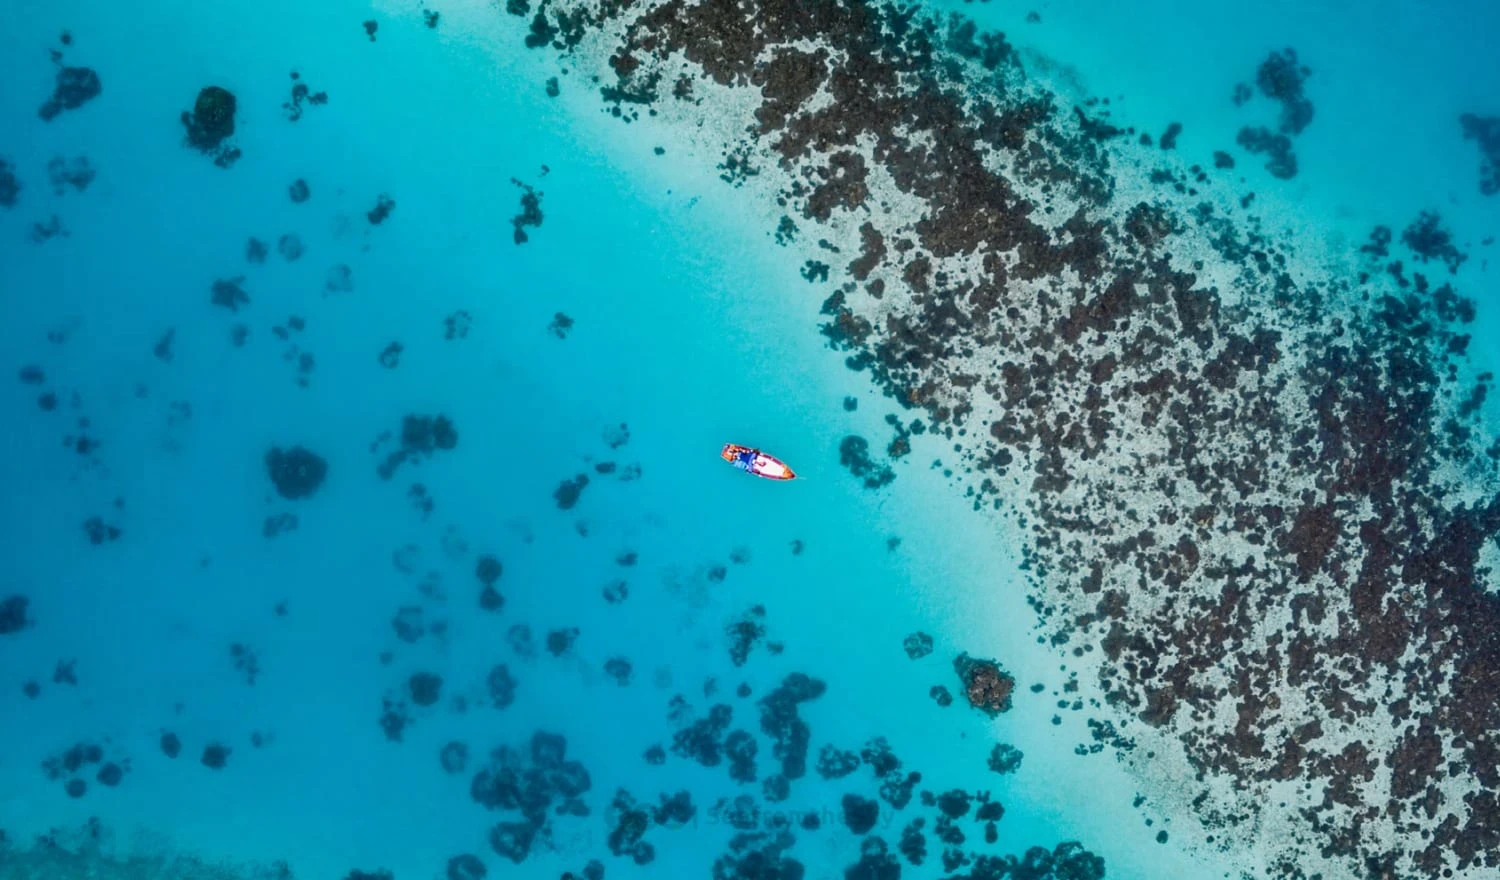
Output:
x,y
687,328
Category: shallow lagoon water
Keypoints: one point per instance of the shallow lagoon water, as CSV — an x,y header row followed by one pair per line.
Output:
x,y
688,326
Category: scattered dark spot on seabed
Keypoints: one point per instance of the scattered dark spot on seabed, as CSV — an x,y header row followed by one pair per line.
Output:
x,y
1239,520
10,185
46,230
210,124
421,438
384,205
63,173
13,617
531,212
215,756
74,87
1485,132
296,472
290,247
301,95
256,250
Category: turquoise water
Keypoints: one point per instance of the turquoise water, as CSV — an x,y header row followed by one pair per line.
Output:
x,y
686,327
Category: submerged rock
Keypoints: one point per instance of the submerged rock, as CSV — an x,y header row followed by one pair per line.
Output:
x,y
296,472
703,739
211,122
229,293
13,615
836,763
630,822
1005,758
466,867
530,215
501,686
854,454
301,96
568,491
779,720
75,87
676,810
290,247
1485,131
212,118
513,840
488,569
740,748
987,686
618,668
215,756
1281,161
1429,240
426,688
917,645
77,173
520,639
384,205
454,757
421,437
10,186
560,641
745,633
860,813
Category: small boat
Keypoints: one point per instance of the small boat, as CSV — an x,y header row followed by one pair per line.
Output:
x,y
753,461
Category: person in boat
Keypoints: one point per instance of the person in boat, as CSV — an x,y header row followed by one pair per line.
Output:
x,y
745,459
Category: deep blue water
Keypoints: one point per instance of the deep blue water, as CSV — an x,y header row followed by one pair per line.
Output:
x,y
685,325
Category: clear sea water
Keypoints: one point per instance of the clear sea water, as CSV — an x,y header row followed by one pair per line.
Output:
x,y
689,326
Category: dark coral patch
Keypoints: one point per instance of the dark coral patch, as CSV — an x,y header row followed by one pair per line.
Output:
x,y
987,686
296,472
425,688
530,216
860,813
568,491
917,645
465,867
13,617
854,454
421,437
74,87
10,185
215,756
211,123
1485,131
1005,758
1280,161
